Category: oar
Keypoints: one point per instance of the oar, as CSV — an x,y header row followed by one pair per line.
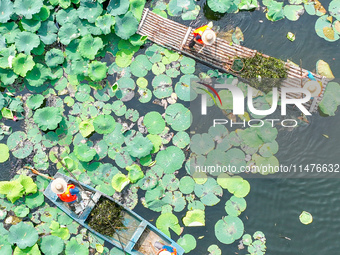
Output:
x,y
38,173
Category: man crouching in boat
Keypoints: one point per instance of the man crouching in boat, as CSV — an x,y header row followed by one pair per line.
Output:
x,y
203,35
163,249
66,192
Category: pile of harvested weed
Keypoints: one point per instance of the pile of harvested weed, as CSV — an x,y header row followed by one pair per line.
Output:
x,y
106,218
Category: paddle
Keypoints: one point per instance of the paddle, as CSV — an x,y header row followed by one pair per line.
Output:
x,y
38,173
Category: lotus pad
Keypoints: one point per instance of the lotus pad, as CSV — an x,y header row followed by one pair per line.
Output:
x,y
104,124
19,145
126,25
27,7
23,235
187,242
306,218
235,205
84,152
194,218
47,118
168,221
154,122
141,66
22,64
229,229
89,46
119,182
170,159
52,245
4,152
235,185
178,116
221,6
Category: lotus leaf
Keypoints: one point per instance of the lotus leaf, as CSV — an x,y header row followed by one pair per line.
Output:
x,y
89,10
187,242
275,11
89,46
34,200
6,247
26,41
67,33
220,6
202,144
52,244
97,70
181,139
229,229
153,53
28,184
22,64
139,146
4,153
126,25
168,221
27,8
54,57
175,199
246,5
145,95
154,122
267,133
6,10
176,7
170,159
306,218
105,23
35,101
293,12
162,86
38,75
34,250
324,29
178,116
269,149
186,185
13,190
47,118
235,205
208,192
86,128
47,32
236,185
135,173
323,69
119,181
84,152
330,100
58,231
30,25
75,248
140,66
104,124
246,239
136,7
334,9
194,218
64,16
158,68
187,65
118,7
267,164
23,235
18,144
214,250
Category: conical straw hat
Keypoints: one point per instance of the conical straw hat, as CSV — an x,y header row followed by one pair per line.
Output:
x,y
59,186
208,37
313,87
164,253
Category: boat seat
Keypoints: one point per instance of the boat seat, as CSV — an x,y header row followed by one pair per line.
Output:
x,y
134,239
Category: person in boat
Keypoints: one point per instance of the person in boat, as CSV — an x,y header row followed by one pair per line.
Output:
x,y
203,35
309,75
66,192
163,249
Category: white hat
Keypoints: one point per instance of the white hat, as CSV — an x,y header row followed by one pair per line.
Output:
x,y
313,87
164,253
59,186
208,37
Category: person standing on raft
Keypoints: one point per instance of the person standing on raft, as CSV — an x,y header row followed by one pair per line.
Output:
x,y
203,35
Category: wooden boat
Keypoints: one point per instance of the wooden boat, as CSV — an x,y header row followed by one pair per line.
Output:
x,y
135,239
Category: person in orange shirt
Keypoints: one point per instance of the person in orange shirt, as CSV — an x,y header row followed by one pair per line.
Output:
x,y
203,35
66,192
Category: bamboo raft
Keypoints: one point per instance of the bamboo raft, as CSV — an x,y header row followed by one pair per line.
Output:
x,y
220,55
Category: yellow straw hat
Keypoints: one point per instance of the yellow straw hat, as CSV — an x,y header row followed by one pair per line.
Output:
x,y
313,87
59,186
208,37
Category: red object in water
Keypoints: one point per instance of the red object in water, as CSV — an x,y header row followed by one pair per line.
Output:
x,y
15,118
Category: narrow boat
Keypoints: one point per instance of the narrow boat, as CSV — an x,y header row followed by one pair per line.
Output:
x,y
135,239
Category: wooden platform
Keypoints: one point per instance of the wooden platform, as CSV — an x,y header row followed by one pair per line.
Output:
x,y
176,36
